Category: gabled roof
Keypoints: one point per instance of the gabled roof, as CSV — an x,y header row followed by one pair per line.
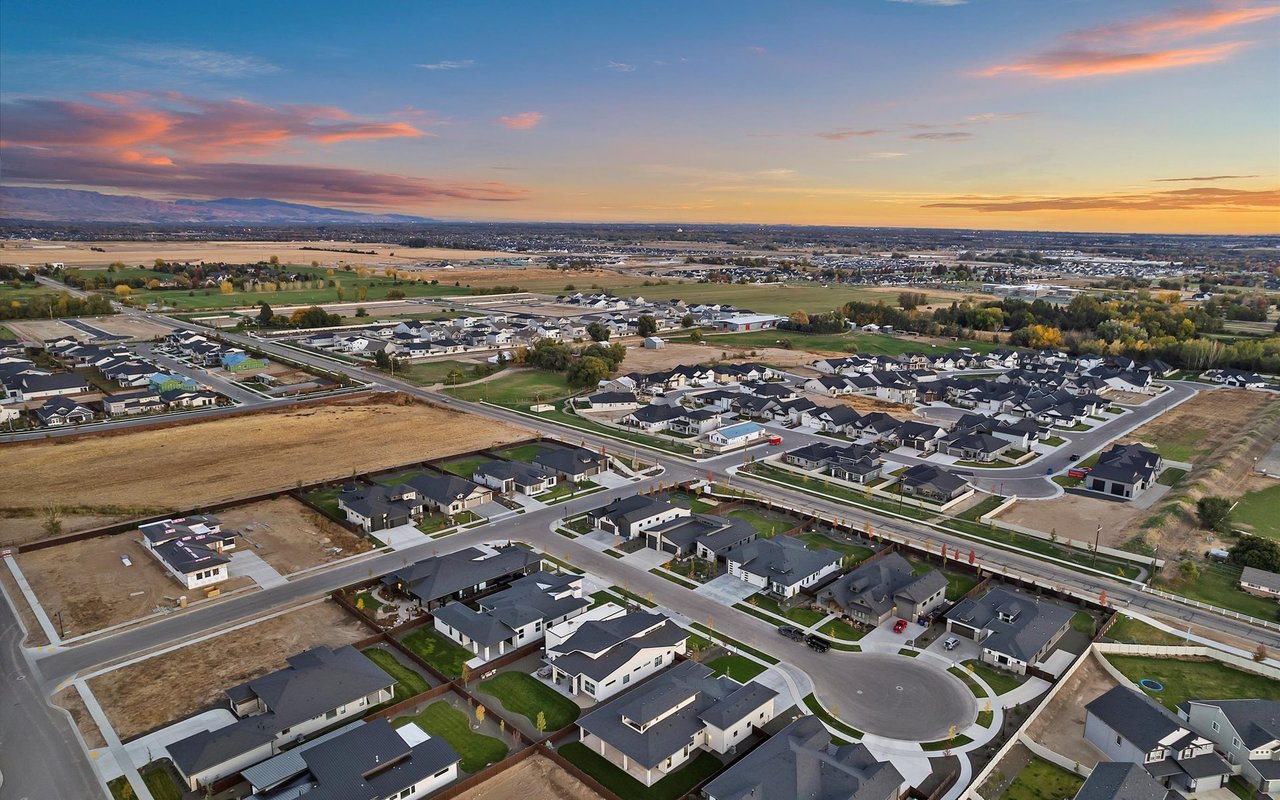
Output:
x,y
876,586
598,649
1127,463
443,488
783,559
440,576
930,475
1121,780
1257,722
1134,716
1028,624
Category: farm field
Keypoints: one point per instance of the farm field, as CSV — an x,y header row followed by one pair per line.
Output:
x,y
187,466
1199,425
776,298
167,687
79,254
1260,511
377,287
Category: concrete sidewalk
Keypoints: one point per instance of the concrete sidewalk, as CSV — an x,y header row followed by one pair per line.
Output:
x,y
46,624
123,761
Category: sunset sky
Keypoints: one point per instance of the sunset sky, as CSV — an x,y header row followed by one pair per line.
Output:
x,y
1121,115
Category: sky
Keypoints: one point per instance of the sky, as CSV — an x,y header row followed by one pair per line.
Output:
x,y
1093,115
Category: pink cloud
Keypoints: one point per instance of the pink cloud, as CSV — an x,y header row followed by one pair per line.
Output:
x,y
846,133
1206,198
522,121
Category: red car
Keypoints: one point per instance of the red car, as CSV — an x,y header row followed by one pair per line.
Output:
x,y
900,626
775,440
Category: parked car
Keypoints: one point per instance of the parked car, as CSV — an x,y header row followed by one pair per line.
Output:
x,y
775,440
1074,457
900,626
950,643
817,643
791,632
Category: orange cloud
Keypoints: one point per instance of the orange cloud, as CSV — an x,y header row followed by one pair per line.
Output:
x,y
1202,199
1139,45
522,121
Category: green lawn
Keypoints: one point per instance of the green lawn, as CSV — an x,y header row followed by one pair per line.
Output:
x,y
815,541
327,501
772,298
1171,476
740,668
1132,631
985,507
158,779
601,597
1083,623
1040,780
672,787
429,372
7,335
1260,510
839,629
517,388
365,601
408,682
692,502
811,702
1219,585
464,466
1186,679
1000,682
804,617
441,719
1042,547
400,477
766,524
958,583
525,695
446,656
524,452
813,485
1183,444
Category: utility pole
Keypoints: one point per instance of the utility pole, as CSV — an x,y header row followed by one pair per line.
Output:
x,y
1097,536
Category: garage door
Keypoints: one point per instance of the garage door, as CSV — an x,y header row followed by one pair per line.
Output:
x,y
668,547
962,630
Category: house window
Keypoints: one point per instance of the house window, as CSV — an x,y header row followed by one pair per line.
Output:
x,y
1215,726
626,678
657,662
1235,742
331,714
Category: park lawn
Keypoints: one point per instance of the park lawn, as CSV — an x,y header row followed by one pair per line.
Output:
x,y
1219,585
408,682
1000,682
1260,510
441,719
1040,780
525,695
740,668
1186,679
1134,631
465,466
446,656
156,776
672,787
524,452
428,372
517,388
765,524
815,541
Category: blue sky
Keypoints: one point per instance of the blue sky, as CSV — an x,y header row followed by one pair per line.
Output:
x,y
989,113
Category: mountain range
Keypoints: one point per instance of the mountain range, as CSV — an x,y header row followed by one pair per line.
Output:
x,y
75,205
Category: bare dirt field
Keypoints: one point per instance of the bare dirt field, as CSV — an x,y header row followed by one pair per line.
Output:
x,y
70,699
145,253
1128,398
1060,726
1205,421
186,466
92,588
149,694
290,536
535,778
1075,516
43,329
675,354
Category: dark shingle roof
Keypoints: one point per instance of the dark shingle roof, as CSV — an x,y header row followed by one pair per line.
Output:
x,y
1120,781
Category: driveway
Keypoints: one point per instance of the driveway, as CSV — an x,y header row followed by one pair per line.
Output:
x,y
726,589
251,564
401,536
884,638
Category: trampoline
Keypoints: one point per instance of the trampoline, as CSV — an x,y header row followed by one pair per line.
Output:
x,y
1150,685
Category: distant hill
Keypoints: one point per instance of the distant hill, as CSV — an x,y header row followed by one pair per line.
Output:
x,y
74,205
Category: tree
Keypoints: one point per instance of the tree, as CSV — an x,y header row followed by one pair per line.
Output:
x,y
226,287
1257,552
274,261
454,376
362,312
123,291
911,300
265,314
587,371
598,332
696,336
1188,572
314,317
646,325
799,318
362,292
1260,653
382,360
541,722
687,321
395,294
1214,513
52,523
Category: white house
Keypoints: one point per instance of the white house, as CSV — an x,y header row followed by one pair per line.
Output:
x,y
191,548
738,435
782,566
514,617
606,650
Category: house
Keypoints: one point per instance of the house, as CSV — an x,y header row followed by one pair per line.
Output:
x,y
1238,378
191,548
59,411
743,433
1260,582
319,688
801,762
436,581
782,566
1245,732
236,361
1015,631
920,436
597,658
982,447
514,617
165,381
706,535
448,494
374,507
933,483
613,401
143,401
629,516
508,477
837,419
883,588
737,323
1127,726
652,417
35,386
189,398
569,463
656,728
369,760
1124,470
1120,780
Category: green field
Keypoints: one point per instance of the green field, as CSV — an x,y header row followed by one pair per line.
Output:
x,y
1260,510
524,695
1186,679
441,719
1183,444
770,298
676,785
876,344
740,668
446,656
765,523
1219,585
516,389
1040,780
1133,631
429,372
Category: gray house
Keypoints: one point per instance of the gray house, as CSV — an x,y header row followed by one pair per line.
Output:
x,y
1247,732
1119,780
1015,631
575,464
438,580
630,516
1125,471
933,483
802,763
1126,725
884,588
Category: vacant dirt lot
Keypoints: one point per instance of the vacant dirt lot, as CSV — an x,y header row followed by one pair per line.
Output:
x,y
149,694
69,699
1205,421
290,536
1060,726
93,589
535,778
42,329
1077,517
676,353
199,464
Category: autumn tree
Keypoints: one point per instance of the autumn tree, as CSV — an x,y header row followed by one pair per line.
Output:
x,y
123,291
